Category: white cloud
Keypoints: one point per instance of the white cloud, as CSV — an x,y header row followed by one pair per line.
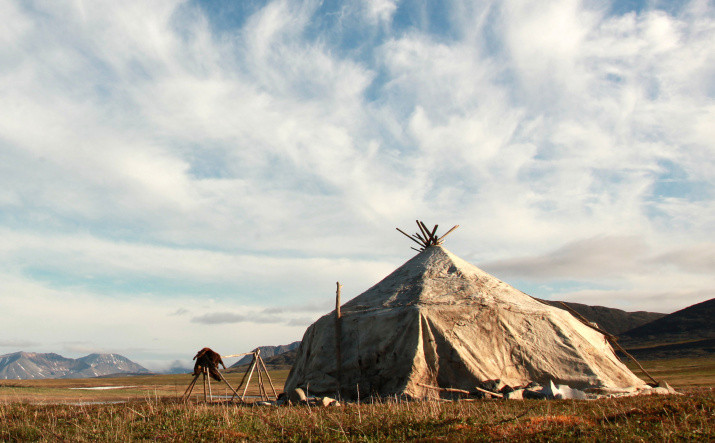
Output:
x,y
138,143
140,327
380,11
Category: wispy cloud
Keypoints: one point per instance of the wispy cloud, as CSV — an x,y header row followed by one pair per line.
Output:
x,y
173,150
213,318
591,258
17,344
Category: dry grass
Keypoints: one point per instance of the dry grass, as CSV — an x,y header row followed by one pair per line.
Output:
x,y
654,418
31,410
143,387
682,372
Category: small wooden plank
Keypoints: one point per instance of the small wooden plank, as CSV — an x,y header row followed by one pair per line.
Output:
x,y
458,391
495,394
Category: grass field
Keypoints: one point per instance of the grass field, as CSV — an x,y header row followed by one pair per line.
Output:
x,y
680,372
141,387
50,410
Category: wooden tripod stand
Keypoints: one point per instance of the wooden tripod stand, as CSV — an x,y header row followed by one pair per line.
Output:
x,y
256,362
207,386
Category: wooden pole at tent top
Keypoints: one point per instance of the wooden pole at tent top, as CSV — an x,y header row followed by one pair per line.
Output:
x,y
426,237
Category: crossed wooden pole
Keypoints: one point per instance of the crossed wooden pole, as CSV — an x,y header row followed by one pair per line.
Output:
x,y
426,237
256,362
208,397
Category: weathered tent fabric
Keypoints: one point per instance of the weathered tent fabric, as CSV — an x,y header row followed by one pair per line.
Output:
x,y
438,320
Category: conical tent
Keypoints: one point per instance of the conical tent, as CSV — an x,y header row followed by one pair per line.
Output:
x,y
440,321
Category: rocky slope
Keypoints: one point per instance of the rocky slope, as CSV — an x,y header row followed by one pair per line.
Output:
x,y
268,352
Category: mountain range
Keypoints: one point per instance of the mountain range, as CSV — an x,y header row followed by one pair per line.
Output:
x,y
612,320
689,332
696,322
33,365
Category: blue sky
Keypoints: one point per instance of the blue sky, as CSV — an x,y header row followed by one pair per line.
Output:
x,y
180,174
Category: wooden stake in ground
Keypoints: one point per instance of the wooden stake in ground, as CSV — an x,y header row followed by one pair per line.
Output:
x,y
205,381
338,337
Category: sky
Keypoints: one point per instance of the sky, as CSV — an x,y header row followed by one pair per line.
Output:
x,y
179,174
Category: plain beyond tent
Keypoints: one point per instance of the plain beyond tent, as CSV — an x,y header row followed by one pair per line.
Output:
x,y
439,321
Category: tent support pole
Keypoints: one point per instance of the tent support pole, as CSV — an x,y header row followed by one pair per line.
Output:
x,y
338,338
611,339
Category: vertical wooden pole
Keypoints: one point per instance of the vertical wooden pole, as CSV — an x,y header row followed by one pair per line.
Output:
x,y
208,381
205,385
338,338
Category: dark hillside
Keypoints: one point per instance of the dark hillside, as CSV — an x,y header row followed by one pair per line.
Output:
x,y
694,323
612,320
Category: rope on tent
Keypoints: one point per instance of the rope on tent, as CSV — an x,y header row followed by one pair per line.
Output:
x,y
613,340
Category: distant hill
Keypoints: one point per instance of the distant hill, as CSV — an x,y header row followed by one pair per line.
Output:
x,y
686,333
282,361
33,365
267,352
611,320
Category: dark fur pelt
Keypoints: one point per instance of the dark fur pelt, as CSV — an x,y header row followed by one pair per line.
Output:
x,y
207,358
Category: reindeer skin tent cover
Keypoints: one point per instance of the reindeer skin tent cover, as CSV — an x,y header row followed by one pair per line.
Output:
x,y
438,320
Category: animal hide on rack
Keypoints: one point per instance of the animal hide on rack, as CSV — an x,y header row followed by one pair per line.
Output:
x,y
208,359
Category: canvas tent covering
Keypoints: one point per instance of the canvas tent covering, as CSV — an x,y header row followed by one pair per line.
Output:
x,y
438,320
